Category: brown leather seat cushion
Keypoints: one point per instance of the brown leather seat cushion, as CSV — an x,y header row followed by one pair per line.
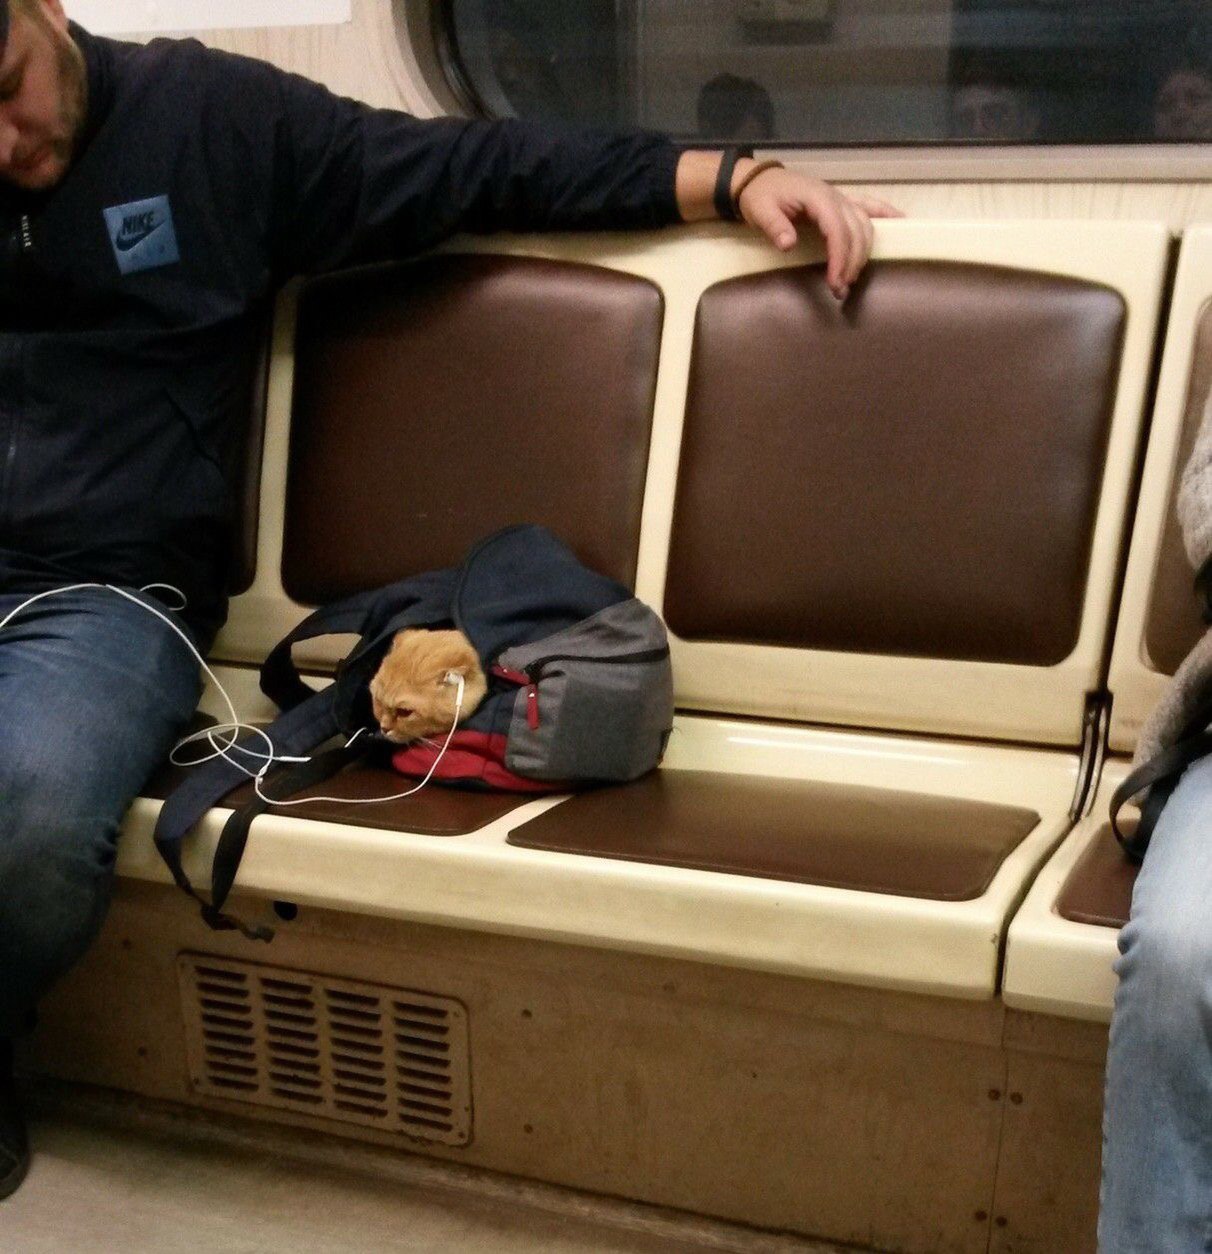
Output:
x,y
434,811
439,401
915,473
867,839
1099,888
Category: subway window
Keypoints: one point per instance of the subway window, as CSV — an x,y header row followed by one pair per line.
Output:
x,y
844,72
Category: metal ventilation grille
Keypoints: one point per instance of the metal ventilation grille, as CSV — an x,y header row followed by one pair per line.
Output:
x,y
361,1053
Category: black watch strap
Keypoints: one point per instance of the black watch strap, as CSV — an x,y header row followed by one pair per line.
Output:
x,y
722,199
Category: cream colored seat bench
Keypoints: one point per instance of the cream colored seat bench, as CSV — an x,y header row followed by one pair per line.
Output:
x,y
885,537
1062,943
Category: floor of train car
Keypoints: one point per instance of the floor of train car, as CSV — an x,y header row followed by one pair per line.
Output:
x,y
111,1172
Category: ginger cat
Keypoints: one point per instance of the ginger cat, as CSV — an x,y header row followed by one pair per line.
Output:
x,y
412,694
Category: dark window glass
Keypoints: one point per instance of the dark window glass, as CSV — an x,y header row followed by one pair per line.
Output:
x,y
845,71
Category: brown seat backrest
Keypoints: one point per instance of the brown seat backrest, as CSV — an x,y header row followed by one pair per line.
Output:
x,y
437,401
245,471
1175,620
915,473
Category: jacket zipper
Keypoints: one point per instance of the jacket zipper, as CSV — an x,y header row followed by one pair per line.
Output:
x,y
12,359
10,356
529,678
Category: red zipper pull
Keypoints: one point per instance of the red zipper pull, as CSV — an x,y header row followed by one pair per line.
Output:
x,y
532,692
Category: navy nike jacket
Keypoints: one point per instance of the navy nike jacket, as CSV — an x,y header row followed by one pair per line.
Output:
x,y
130,294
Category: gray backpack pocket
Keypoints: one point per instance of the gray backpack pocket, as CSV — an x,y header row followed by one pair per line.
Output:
x,y
595,702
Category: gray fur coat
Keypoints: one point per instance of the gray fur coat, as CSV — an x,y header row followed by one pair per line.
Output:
x,y
1191,681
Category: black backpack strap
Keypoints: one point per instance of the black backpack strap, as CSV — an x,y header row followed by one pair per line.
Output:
x,y
1160,775
311,717
280,678
295,733
279,786
1203,588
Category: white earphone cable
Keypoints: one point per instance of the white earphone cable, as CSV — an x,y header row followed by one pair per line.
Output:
x,y
299,801
233,729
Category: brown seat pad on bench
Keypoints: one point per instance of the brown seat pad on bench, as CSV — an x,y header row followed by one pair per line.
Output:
x,y
1099,888
868,839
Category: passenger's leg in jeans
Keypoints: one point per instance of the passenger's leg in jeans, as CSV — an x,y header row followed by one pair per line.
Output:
x,y
93,692
1157,1133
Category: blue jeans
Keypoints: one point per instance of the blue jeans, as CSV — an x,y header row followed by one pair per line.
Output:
x,y
93,693
1157,1131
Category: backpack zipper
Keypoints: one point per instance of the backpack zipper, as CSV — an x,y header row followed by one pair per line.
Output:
x,y
523,680
529,678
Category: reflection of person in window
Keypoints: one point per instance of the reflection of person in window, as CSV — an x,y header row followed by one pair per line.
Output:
x,y
526,77
1182,105
735,108
993,109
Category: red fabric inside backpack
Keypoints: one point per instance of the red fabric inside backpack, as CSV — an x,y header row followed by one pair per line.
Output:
x,y
471,758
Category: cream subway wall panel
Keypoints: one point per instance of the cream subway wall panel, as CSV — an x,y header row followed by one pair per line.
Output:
x,y
1053,965
1123,187
124,17
1135,681
368,57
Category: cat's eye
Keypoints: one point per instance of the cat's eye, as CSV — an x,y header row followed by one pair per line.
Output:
x,y
402,711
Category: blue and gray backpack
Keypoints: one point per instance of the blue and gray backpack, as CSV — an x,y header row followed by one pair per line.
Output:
x,y
580,692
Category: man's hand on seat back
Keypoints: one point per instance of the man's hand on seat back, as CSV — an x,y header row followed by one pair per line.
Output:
x,y
778,200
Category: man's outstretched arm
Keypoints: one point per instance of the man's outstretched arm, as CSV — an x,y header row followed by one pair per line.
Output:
x,y
358,184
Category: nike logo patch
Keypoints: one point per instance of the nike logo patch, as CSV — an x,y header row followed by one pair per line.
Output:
x,y
142,234
135,230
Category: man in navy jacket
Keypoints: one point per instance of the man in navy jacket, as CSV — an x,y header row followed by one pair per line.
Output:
x,y
152,200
